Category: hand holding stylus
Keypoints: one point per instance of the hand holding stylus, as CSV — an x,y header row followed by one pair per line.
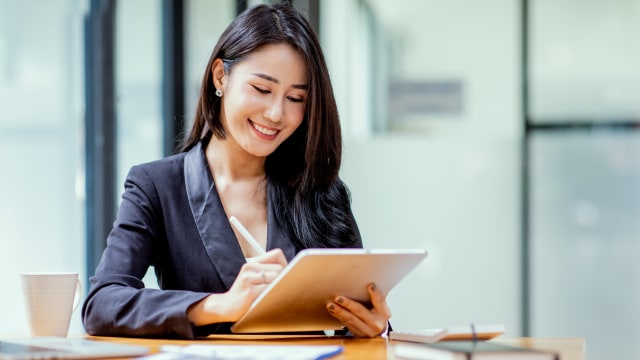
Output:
x,y
246,235
254,277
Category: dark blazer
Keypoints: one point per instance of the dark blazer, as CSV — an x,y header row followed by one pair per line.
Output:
x,y
171,218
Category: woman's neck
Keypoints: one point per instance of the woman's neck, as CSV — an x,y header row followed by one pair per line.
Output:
x,y
226,159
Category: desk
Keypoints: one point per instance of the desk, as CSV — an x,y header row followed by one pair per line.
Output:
x,y
373,349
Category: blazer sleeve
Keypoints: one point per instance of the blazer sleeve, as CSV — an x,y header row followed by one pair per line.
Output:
x,y
118,304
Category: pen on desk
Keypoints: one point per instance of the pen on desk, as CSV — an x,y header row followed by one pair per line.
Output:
x,y
246,234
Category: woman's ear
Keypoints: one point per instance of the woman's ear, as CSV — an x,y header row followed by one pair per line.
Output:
x,y
217,74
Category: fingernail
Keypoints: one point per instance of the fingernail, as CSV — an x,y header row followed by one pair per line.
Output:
x,y
372,287
339,299
331,306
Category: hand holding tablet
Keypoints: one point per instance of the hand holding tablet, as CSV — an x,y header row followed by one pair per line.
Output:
x,y
296,299
301,297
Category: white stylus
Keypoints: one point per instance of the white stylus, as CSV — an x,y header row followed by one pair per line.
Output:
x,y
246,234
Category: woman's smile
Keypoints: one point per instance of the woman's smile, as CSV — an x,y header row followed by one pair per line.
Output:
x,y
264,132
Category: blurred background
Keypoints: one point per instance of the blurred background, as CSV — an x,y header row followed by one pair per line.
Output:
x,y
500,135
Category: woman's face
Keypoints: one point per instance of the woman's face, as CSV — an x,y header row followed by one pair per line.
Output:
x,y
264,98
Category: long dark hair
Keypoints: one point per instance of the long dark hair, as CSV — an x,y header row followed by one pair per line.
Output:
x,y
309,200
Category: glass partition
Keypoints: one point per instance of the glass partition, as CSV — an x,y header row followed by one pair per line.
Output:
x,y
584,145
428,94
585,206
584,61
204,22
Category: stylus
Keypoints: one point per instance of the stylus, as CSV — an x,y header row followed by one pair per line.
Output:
x,y
246,234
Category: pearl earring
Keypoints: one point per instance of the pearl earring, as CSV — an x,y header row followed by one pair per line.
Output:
x,y
218,93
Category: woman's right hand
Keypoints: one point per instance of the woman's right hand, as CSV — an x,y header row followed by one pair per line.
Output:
x,y
254,276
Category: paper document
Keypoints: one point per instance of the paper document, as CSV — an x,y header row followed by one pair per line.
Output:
x,y
247,352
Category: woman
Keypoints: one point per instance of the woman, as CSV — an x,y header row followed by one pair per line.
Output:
x,y
265,147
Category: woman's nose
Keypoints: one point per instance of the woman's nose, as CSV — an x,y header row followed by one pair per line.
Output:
x,y
274,111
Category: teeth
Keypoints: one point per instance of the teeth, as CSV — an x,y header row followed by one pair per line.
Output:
x,y
264,130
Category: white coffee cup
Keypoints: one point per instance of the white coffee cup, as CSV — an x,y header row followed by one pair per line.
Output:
x,y
50,298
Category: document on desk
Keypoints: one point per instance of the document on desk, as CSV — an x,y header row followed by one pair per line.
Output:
x,y
246,352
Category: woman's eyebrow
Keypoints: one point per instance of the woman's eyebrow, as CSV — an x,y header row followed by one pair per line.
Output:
x,y
274,80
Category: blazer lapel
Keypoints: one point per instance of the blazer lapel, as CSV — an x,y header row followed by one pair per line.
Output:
x,y
215,231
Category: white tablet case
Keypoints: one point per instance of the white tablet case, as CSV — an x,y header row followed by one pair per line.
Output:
x,y
296,300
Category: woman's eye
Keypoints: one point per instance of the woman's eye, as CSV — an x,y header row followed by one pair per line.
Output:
x,y
295,99
260,90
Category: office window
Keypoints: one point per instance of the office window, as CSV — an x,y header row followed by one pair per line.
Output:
x,y
584,61
585,207
425,68
41,147
138,81
204,22
584,146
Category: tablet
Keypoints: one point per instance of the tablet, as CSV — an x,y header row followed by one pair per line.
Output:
x,y
296,300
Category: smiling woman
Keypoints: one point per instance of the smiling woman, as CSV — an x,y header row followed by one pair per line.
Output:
x,y
265,147
265,99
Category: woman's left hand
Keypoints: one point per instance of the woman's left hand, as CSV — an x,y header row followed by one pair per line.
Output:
x,y
361,321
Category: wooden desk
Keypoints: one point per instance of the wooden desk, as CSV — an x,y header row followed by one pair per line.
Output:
x,y
373,349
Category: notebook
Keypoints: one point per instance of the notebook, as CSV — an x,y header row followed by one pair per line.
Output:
x,y
451,333
296,300
65,348
464,350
